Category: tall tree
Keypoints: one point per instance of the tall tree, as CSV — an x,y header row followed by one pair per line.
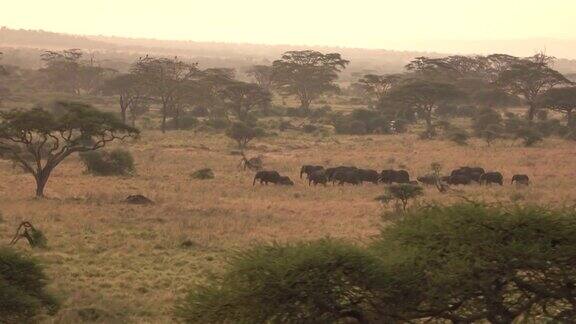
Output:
x,y
164,79
528,79
242,98
378,86
129,90
307,74
66,71
262,74
425,97
39,140
562,100
4,91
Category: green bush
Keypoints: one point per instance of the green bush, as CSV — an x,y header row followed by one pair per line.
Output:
x,y
458,136
186,122
203,174
317,282
22,288
474,263
218,123
243,133
463,263
108,163
485,118
529,135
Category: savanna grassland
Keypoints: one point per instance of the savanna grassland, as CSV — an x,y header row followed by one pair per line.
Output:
x,y
116,262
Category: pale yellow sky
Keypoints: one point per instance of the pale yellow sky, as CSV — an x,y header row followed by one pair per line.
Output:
x,y
398,24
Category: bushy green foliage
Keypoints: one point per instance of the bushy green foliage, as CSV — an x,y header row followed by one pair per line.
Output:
x,y
529,135
361,122
243,133
458,135
22,288
117,162
473,262
185,122
317,282
458,264
484,118
401,193
203,174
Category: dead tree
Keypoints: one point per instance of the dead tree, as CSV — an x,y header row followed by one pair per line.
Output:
x,y
34,237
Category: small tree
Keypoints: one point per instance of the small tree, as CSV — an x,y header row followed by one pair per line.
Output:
x,y
39,140
23,292
401,193
491,133
243,134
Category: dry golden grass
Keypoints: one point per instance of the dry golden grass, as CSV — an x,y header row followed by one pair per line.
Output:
x,y
128,260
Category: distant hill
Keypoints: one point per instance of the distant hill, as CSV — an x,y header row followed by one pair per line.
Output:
x,y
22,48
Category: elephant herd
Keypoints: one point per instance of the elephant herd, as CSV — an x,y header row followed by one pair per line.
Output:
x,y
316,174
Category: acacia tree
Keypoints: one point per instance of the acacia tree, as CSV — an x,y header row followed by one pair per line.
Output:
x,y
425,97
39,140
307,74
262,74
129,90
378,86
529,78
65,71
562,100
163,79
241,98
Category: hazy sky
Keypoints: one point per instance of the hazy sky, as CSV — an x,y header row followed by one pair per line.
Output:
x,y
409,24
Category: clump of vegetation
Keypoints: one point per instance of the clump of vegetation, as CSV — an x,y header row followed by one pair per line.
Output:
x,y
500,264
203,174
402,193
491,133
458,136
318,282
23,292
529,135
117,162
243,133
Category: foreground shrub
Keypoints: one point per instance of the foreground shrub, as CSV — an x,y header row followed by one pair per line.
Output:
x,y
103,163
22,288
459,264
472,262
318,282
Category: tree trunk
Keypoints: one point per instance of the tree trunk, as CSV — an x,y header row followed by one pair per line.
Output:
x,y
531,112
163,126
570,118
123,114
41,180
